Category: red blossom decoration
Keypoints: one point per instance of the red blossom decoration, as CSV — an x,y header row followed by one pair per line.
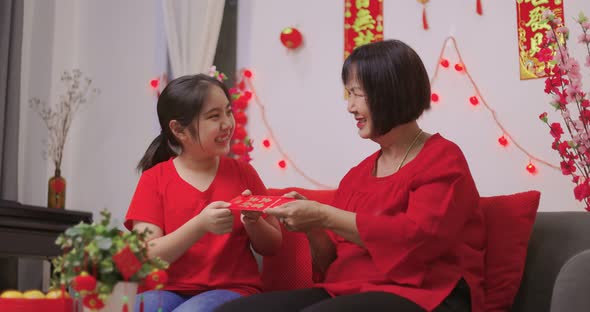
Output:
x,y
564,83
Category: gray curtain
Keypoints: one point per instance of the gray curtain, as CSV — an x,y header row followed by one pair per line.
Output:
x,y
11,24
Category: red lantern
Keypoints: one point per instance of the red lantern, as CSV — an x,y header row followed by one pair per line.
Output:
x,y
156,280
84,283
266,143
291,38
239,148
241,103
93,302
240,133
503,141
241,118
282,164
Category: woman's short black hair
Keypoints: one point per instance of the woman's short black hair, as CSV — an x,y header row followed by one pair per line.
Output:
x,y
394,80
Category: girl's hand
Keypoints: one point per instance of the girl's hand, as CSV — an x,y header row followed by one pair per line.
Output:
x,y
250,217
216,218
295,195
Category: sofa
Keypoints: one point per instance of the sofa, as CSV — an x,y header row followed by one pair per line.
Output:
x,y
535,261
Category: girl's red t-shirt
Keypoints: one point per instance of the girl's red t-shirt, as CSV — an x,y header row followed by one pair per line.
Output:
x,y
225,261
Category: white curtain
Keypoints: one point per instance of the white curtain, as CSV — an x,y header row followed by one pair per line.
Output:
x,y
192,29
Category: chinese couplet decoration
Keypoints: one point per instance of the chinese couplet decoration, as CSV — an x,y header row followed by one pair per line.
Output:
x,y
363,23
531,31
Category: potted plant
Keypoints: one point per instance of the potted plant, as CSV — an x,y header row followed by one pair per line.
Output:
x,y
103,266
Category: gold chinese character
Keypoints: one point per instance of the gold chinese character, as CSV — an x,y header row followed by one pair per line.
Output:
x,y
535,42
536,19
363,21
266,200
536,2
362,4
363,38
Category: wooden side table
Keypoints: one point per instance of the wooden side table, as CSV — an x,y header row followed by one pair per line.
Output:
x,y
29,232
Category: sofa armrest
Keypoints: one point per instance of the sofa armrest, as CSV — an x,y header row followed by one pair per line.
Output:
x,y
570,292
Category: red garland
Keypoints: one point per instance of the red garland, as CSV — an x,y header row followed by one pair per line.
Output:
x,y
241,144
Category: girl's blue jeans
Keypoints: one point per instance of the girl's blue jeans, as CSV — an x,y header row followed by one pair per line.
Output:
x,y
169,301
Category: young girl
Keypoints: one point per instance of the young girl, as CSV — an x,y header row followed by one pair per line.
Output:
x,y
182,197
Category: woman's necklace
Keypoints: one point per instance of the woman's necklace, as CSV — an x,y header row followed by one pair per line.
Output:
x,y
408,151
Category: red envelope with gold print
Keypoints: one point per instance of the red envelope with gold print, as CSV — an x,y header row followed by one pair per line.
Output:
x,y
258,202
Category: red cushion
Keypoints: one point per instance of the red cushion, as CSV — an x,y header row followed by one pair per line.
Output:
x,y
509,221
290,267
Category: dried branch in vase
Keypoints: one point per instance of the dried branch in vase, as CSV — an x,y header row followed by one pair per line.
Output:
x,y
59,116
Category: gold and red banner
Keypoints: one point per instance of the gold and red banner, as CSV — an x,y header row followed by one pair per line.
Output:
x,y
363,23
531,31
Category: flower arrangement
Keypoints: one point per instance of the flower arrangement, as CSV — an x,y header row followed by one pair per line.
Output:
x,y
97,256
564,83
58,117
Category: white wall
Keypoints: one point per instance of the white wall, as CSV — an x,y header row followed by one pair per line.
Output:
x,y
303,94
120,44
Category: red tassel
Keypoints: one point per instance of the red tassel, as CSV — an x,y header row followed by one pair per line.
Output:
x,y
125,308
479,8
141,303
424,20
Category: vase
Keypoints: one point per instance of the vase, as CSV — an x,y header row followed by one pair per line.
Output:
x,y
56,191
123,293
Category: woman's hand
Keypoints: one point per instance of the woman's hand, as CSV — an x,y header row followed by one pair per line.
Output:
x,y
216,218
295,195
300,215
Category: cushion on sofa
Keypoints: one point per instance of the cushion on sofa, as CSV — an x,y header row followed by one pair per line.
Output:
x,y
290,268
509,222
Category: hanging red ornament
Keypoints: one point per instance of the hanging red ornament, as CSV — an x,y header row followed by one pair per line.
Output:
x,y
240,133
242,84
93,302
434,97
240,104
248,73
444,63
473,100
84,283
127,263
291,38
531,168
282,164
266,143
459,67
239,148
240,118
154,83
157,279
503,141
424,19
478,8
247,95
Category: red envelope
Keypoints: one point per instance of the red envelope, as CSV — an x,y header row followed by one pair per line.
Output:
x,y
258,202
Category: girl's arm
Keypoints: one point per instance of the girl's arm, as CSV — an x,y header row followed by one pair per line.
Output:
x,y
215,218
265,233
